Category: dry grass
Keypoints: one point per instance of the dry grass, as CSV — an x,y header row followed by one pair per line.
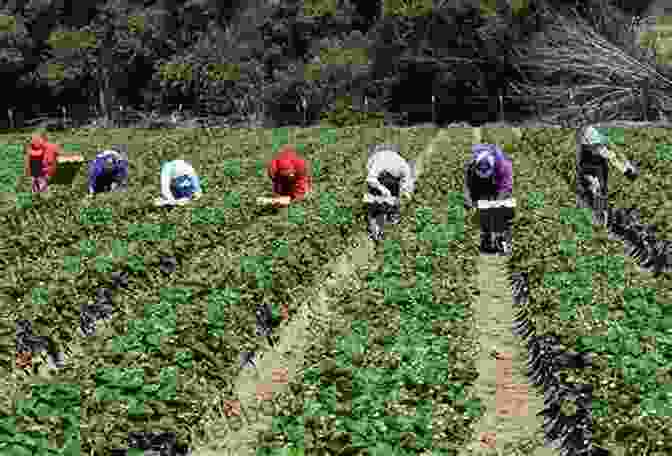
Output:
x,y
575,72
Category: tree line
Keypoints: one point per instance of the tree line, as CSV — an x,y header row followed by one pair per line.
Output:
x,y
287,62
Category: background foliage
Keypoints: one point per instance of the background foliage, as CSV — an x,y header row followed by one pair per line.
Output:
x,y
258,60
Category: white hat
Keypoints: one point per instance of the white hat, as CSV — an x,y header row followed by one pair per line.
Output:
x,y
592,136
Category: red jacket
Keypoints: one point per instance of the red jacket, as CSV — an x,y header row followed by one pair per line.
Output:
x,y
48,153
301,185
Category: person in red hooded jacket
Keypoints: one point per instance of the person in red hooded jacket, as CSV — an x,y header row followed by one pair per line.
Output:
x,y
41,161
291,182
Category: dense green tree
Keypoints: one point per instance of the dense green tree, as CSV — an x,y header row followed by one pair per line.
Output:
x,y
266,56
107,50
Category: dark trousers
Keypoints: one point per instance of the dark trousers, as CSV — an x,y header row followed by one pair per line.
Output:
x,y
104,184
496,223
595,166
591,165
496,220
36,168
380,214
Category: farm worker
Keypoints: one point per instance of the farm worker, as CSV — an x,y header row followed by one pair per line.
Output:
x,y
289,174
109,171
179,182
390,175
488,174
41,161
593,158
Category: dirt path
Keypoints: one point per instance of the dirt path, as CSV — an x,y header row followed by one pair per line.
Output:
x,y
512,403
278,366
509,426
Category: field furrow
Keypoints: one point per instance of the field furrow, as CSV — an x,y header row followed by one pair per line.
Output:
x,y
390,368
510,424
223,273
583,289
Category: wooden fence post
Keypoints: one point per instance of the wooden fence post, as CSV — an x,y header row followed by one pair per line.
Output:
x,y
500,99
572,102
304,106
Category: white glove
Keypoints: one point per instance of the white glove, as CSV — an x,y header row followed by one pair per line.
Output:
x,y
594,183
163,201
379,199
386,193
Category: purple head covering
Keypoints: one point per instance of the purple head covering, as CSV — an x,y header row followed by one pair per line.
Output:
x,y
485,157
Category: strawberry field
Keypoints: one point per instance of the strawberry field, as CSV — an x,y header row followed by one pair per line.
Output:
x,y
173,342
391,371
653,147
388,370
583,288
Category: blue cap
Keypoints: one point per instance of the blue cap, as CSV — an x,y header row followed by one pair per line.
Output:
x,y
183,187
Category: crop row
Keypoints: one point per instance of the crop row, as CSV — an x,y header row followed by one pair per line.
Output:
x,y
652,190
390,370
63,400
239,279
570,431
582,289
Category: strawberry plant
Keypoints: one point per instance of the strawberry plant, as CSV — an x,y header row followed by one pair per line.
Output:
x,y
153,328
591,294
387,341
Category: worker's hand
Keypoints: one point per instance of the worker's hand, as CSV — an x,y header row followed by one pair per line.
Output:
x,y
631,171
282,201
163,202
264,201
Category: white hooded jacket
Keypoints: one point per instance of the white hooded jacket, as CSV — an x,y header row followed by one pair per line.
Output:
x,y
386,159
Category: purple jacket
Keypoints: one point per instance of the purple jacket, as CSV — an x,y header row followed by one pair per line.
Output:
x,y
503,167
476,188
97,177
504,175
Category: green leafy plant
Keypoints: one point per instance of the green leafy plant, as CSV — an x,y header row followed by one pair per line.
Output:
x,y
136,263
24,200
182,322
344,115
535,200
219,301
664,152
622,309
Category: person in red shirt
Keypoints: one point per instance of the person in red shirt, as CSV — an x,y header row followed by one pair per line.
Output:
x,y
289,174
41,161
